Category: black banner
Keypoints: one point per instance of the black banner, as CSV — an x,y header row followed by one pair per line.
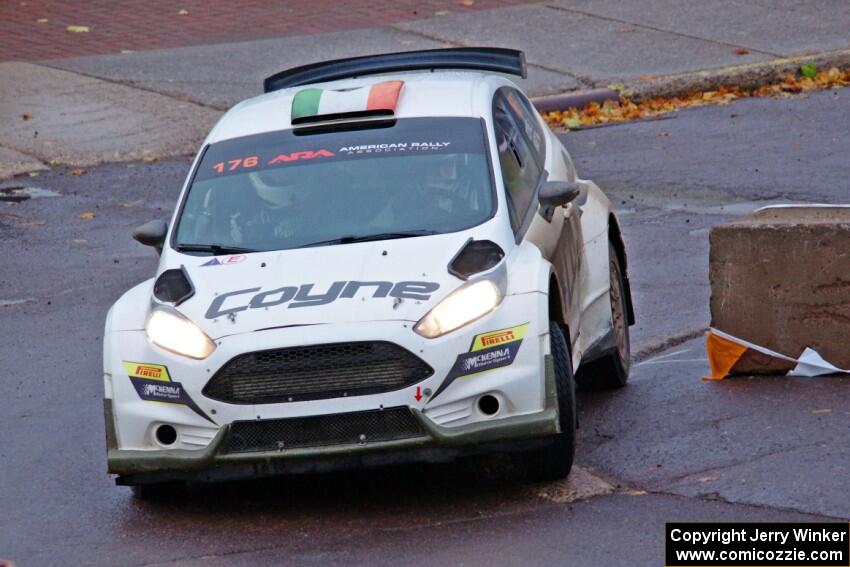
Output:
x,y
741,544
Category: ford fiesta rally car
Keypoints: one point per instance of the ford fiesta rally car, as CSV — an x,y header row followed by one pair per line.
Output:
x,y
381,259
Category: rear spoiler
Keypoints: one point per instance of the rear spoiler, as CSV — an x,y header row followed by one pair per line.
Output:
x,y
495,59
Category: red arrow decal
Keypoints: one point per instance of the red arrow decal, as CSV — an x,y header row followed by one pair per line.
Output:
x,y
418,395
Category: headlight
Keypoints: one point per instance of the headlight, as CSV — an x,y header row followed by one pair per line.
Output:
x,y
461,307
173,332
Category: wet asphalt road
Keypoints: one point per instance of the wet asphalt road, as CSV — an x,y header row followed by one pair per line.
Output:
x,y
669,446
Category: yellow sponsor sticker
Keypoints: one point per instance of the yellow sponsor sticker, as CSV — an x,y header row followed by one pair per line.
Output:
x,y
500,337
147,371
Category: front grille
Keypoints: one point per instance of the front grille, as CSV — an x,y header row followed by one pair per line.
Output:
x,y
323,430
316,372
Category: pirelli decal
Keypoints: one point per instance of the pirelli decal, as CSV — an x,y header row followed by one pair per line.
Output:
x,y
489,351
153,384
147,371
497,338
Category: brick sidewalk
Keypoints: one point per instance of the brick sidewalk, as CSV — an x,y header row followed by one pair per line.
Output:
x,y
116,25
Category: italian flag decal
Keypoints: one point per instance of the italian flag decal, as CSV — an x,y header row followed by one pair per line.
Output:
x,y
319,102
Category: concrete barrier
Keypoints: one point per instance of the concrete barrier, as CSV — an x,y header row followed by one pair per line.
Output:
x,y
780,278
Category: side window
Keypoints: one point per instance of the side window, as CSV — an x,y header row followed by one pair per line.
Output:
x,y
520,168
528,121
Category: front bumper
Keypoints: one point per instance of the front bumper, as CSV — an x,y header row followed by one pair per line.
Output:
x,y
438,444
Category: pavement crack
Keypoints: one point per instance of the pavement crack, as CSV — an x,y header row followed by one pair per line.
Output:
x,y
582,80
133,85
662,30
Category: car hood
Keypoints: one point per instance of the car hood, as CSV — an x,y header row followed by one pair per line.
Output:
x,y
397,279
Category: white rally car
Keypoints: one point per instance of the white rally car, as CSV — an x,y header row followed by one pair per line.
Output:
x,y
380,259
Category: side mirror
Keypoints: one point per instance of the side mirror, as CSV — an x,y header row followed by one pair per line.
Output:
x,y
152,233
557,194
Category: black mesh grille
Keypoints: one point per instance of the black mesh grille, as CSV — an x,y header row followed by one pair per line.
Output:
x,y
323,430
316,372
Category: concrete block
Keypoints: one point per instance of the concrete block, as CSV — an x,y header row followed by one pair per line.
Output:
x,y
780,278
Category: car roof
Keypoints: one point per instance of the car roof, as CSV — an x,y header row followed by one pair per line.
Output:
x,y
425,93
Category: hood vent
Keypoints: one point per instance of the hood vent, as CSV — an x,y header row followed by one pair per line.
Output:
x,y
173,286
476,256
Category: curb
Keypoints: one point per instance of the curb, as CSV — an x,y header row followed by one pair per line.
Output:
x,y
574,99
745,76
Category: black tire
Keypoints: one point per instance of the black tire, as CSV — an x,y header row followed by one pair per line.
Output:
x,y
555,461
159,492
612,370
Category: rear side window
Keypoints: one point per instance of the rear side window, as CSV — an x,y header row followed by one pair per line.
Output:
x,y
528,121
520,167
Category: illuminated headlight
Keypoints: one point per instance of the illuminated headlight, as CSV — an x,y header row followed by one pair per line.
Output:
x,y
461,307
172,331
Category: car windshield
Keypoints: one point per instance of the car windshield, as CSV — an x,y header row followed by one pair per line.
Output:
x,y
282,190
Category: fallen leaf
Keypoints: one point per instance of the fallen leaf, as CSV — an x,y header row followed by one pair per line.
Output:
x,y
86,216
78,29
150,159
25,116
708,478
625,109
822,410
79,241
741,51
809,71
467,2
125,51
77,172
42,20
183,12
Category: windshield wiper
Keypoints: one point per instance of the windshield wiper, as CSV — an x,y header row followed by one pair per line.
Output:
x,y
215,249
350,239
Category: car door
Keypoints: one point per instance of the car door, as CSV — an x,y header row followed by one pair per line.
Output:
x,y
557,233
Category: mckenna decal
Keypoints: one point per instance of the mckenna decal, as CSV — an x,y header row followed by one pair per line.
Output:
x,y
303,295
225,260
153,384
489,351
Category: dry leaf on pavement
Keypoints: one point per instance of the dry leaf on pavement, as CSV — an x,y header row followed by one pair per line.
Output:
x,y
625,109
741,51
78,29
77,172
25,116
183,12
86,216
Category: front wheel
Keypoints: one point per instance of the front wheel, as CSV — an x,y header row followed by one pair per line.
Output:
x,y
555,461
612,371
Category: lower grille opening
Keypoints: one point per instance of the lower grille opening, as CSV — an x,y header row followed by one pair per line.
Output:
x,y
350,428
316,372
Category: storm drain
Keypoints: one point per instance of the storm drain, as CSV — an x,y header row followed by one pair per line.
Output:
x,y
350,428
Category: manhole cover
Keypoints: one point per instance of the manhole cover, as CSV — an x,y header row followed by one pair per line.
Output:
x,y
18,194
